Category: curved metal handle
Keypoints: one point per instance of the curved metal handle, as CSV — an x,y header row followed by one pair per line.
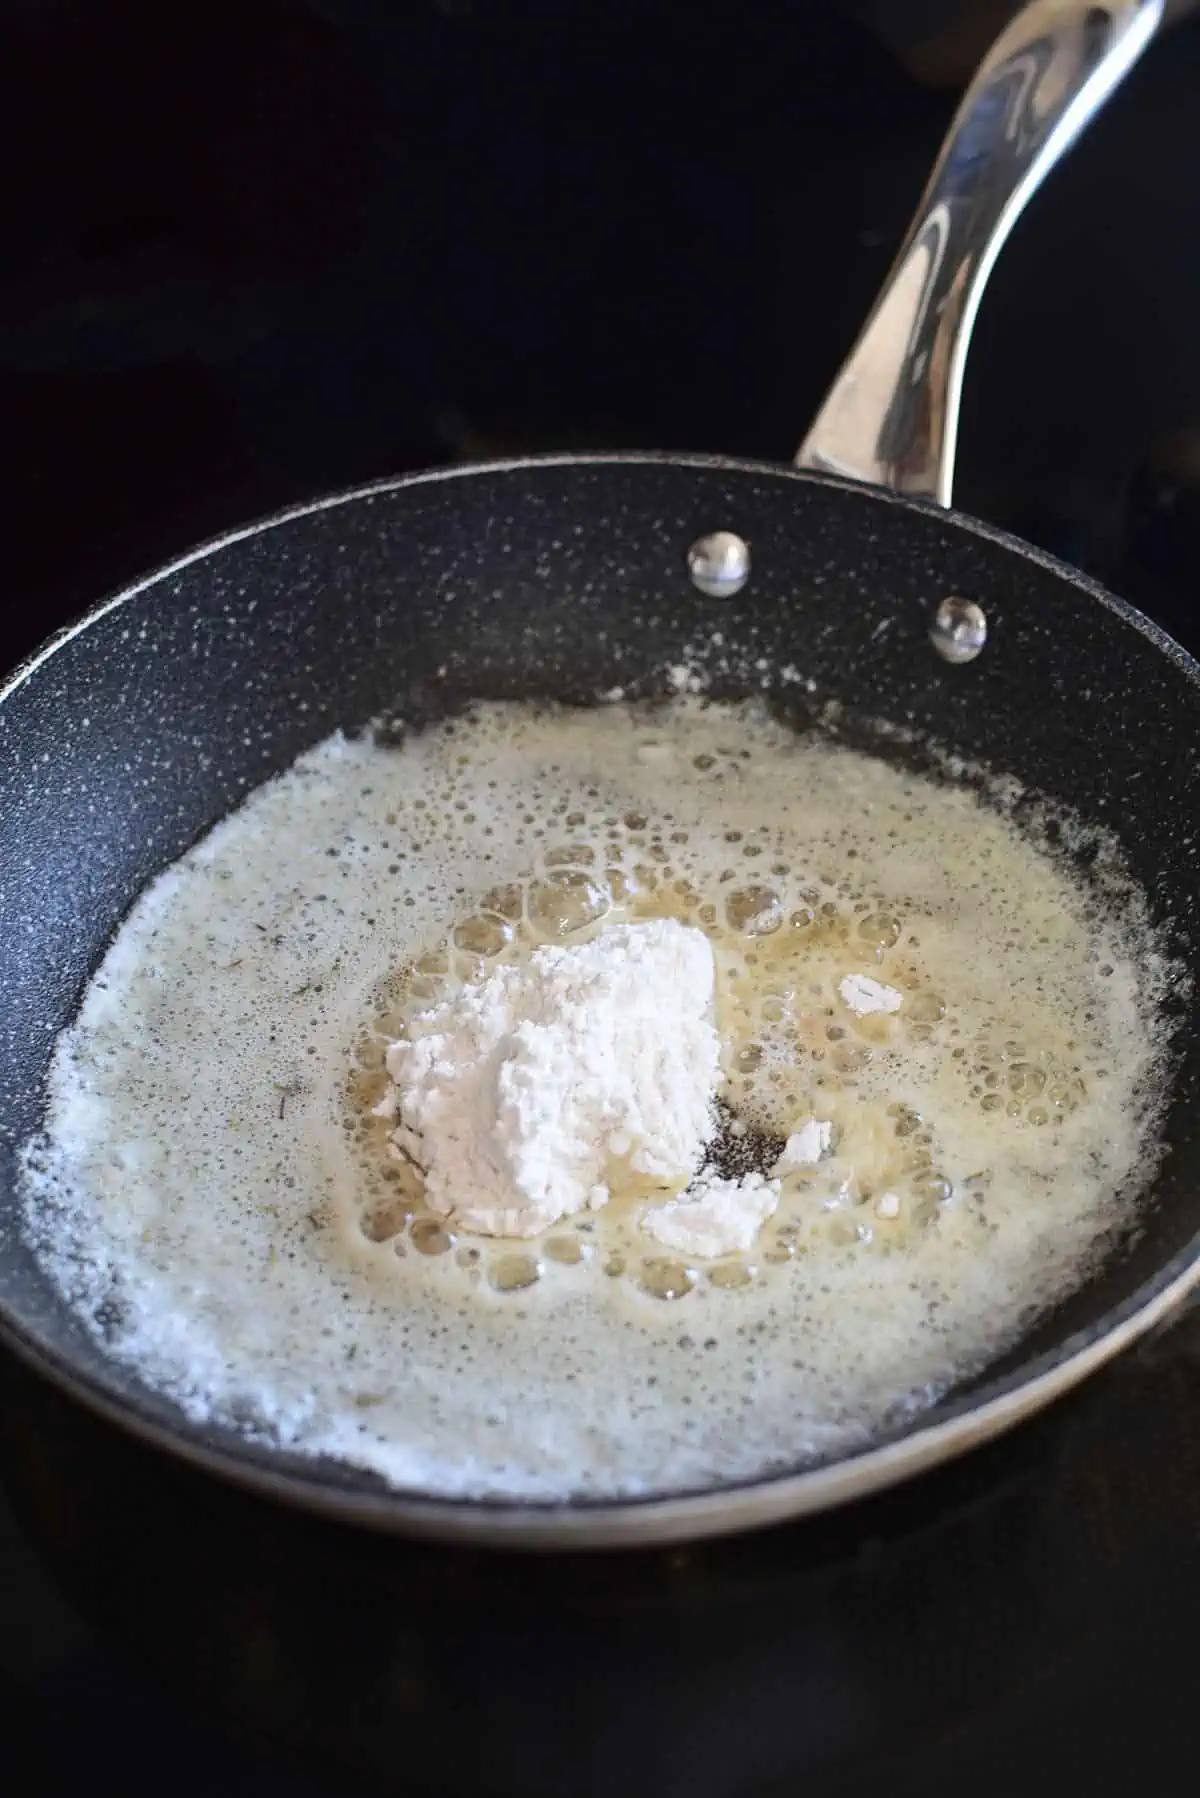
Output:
x,y
891,417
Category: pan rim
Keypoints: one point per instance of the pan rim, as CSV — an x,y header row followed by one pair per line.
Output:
x,y
963,521
654,1519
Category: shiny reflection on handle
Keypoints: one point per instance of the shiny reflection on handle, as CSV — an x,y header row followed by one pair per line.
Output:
x,y
891,417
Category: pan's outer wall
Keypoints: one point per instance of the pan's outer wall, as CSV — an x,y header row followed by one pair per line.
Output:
x,y
566,578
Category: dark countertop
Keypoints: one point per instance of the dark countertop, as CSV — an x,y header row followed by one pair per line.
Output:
x,y
1019,1620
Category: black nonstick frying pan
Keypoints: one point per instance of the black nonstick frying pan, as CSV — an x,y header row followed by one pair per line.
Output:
x,y
130,734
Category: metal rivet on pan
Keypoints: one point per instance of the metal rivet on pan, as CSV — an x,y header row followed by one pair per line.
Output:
x,y
719,564
959,629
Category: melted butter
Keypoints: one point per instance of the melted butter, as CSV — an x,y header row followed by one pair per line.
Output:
x,y
930,1104
214,1194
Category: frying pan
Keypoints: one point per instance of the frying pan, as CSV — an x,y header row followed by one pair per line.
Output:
x,y
128,736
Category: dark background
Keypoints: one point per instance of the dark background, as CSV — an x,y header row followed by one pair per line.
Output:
x,y
253,251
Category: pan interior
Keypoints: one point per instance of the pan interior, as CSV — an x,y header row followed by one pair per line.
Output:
x,y
552,582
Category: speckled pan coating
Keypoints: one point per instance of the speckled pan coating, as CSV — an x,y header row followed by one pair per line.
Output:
x,y
131,733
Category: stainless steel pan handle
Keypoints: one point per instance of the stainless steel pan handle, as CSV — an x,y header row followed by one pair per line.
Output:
x,y
891,417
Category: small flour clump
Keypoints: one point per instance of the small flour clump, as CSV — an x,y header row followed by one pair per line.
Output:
x,y
864,995
525,1096
715,1216
805,1146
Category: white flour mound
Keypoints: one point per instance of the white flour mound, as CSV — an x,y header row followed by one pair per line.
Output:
x,y
525,1096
